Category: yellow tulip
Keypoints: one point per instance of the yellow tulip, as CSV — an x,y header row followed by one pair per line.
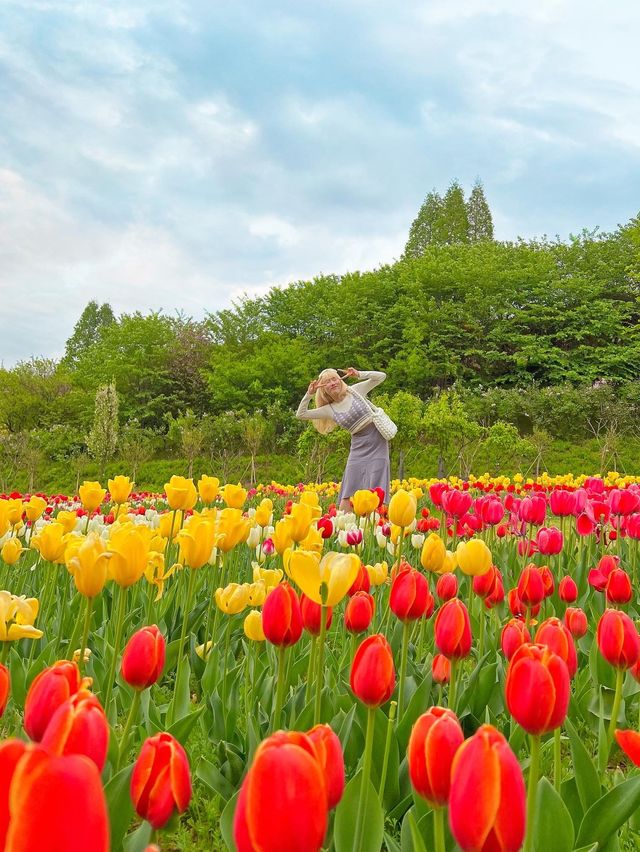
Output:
x,y
197,541
91,495
17,615
120,487
204,650
365,502
271,576
234,496
263,513
378,573
233,598
233,528
89,565
313,540
4,517
68,520
281,537
156,574
474,557
51,543
324,581
299,520
310,499
208,488
257,593
402,508
129,548
450,564
166,523
11,550
253,626
181,493
34,508
433,553
14,509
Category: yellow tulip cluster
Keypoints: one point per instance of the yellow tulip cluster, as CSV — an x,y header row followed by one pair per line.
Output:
x,y
17,615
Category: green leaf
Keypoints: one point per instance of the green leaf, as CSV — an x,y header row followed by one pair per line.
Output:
x,y
419,704
553,827
120,806
226,822
585,771
416,838
607,814
214,779
18,679
470,687
346,815
139,839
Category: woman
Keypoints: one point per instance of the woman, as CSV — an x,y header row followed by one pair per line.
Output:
x,y
337,404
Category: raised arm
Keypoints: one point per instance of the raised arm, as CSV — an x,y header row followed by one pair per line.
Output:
x,y
306,413
370,380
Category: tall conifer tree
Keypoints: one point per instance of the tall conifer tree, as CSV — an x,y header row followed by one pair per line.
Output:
x,y
479,215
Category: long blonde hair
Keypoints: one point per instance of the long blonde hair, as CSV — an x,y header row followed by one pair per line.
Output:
x,y
326,424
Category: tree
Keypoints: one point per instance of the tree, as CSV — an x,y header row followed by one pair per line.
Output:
x,y
254,429
87,331
479,215
424,228
453,225
135,446
405,410
447,426
103,437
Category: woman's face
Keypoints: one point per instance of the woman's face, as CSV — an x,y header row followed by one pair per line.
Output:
x,y
333,385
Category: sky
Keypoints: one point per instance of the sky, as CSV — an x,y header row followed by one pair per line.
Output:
x,y
174,155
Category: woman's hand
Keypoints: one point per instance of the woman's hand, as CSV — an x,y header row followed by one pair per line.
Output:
x,y
313,387
350,372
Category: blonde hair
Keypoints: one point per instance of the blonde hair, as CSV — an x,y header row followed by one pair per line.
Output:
x,y
326,424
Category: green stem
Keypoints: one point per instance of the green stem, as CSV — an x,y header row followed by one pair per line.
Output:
x,y
366,772
453,685
620,673
275,722
310,670
557,756
387,749
403,668
108,686
438,830
481,624
534,770
85,632
183,636
124,741
317,709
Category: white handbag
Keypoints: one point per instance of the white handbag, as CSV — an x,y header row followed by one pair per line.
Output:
x,y
380,419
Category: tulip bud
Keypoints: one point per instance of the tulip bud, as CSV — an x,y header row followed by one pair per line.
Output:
x,y
143,658
517,607
310,611
359,612
295,818
49,689
120,488
618,639
409,595
281,616
365,502
453,630
618,588
440,669
91,495
79,726
253,626
568,590
548,583
434,553
402,508
486,772
328,751
181,493
373,675
378,573
474,557
514,634
537,689
434,741
484,584
447,587
362,583
576,621
555,635
161,780
5,689
530,586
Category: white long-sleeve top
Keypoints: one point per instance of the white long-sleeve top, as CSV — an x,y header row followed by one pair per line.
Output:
x,y
350,412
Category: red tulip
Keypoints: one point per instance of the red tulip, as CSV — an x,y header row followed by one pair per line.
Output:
x,y
440,669
447,587
436,491
549,541
531,589
532,510
517,607
618,588
359,612
456,503
283,798
49,689
11,751
618,639
576,621
435,738
624,501
568,590
5,689
537,689
143,658
548,582
555,635
492,511
453,630
42,789
629,742
514,634
325,525
281,616
310,611
328,751
161,780
487,799
373,675
79,726
362,582
598,576
409,595
562,503
496,595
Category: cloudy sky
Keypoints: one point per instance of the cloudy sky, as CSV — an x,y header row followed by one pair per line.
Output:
x,y
174,154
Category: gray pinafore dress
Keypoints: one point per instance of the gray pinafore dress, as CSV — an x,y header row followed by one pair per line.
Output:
x,y
368,463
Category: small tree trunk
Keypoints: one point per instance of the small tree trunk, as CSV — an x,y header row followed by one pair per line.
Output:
x,y
440,466
401,463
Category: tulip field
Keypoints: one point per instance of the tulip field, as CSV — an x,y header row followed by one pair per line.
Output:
x,y
452,666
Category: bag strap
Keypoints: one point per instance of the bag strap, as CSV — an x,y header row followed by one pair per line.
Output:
x,y
373,408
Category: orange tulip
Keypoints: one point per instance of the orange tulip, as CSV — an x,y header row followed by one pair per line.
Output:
x,y
435,738
143,658
161,780
373,675
328,751
537,689
453,630
79,726
11,751
49,689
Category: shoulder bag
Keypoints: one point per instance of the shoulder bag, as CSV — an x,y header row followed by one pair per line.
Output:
x,y
380,419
